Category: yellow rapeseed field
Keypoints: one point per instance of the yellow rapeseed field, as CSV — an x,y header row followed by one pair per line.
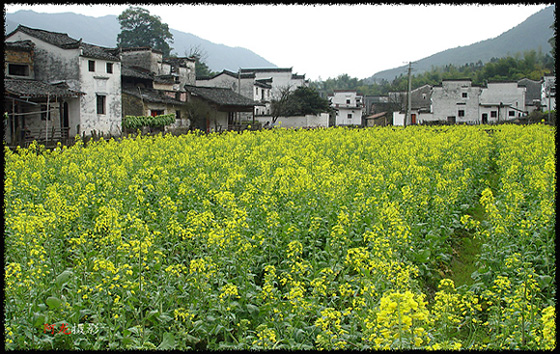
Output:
x,y
283,239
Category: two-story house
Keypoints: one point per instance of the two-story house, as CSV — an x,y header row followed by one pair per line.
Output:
x,y
501,101
455,101
279,79
348,105
92,70
36,110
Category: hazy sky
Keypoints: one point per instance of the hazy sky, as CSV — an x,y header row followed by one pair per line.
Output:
x,y
325,41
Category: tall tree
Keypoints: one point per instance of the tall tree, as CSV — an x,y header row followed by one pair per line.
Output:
x,y
140,29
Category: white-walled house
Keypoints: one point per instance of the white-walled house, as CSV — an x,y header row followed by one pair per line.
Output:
x,y
278,79
501,101
92,70
456,101
349,106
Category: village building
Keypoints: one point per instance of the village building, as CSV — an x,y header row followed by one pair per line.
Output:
x,y
217,107
501,101
153,85
35,109
532,94
89,74
348,105
455,101
245,84
279,79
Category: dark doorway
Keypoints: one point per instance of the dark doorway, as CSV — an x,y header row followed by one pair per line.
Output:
x,y
65,122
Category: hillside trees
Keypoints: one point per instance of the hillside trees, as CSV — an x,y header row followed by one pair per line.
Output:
x,y
141,29
529,64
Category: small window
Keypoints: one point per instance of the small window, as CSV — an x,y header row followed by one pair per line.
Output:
x,y
347,101
18,70
91,65
464,95
178,115
101,104
461,113
349,115
494,114
512,113
109,68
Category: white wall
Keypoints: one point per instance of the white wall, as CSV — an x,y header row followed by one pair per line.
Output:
x,y
308,121
448,100
97,83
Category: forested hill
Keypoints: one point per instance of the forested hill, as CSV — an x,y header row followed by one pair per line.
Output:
x,y
531,34
530,64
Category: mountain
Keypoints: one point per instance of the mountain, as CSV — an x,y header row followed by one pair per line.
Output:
x,y
531,34
104,30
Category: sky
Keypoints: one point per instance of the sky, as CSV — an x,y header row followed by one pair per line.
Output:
x,y
325,41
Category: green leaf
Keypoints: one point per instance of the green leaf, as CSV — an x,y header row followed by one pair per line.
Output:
x,y
53,302
168,342
63,277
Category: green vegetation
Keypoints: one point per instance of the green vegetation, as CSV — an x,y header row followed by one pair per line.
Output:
x,y
531,64
140,29
136,122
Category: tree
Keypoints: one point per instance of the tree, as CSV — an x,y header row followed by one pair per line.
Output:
x,y
140,29
302,101
199,55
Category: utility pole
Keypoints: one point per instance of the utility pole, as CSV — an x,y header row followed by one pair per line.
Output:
x,y
409,98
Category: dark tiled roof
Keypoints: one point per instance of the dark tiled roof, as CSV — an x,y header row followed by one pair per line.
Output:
x,y
33,88
261,70
152,95
221,96
62,40
247,75
26,45
97,52
136,72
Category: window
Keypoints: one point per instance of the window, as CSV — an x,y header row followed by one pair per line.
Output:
x,y
109,68
178,115
91,65
494,114
349,115
348,101
18,70
101,104
156,112
461,113
464,95
511,113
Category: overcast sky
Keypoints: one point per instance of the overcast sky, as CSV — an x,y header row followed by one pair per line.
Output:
x,y
323,41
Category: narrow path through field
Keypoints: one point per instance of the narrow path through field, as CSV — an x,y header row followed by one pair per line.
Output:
x,y
465,245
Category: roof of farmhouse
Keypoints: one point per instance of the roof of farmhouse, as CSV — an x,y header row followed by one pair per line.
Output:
x,y
221,96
